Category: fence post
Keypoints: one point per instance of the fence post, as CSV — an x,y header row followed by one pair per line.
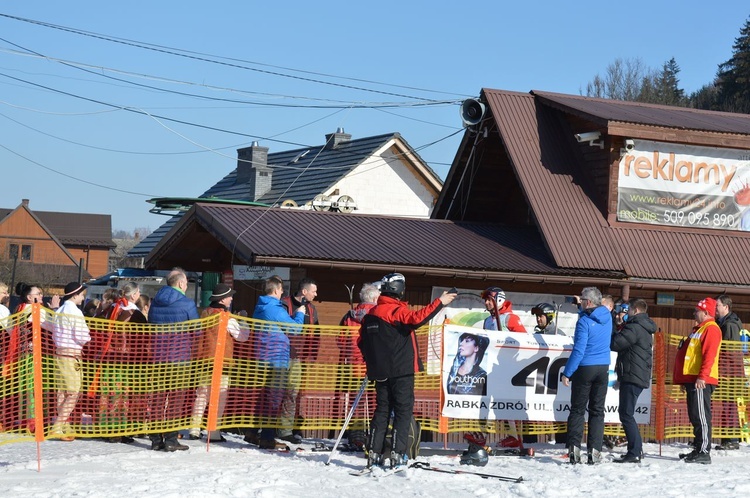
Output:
x,y
215,392
660,367
38,396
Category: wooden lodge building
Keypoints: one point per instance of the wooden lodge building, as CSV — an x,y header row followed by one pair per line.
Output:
x,y
547,193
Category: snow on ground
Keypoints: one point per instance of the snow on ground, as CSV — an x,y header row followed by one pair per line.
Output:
x,y
95,468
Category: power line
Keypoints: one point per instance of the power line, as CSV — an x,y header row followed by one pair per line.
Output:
x,y
74,177
344,104
203,58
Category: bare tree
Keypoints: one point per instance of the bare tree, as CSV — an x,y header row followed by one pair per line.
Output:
x,y
622,80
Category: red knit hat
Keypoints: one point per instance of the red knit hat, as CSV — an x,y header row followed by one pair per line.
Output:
x,y
708,305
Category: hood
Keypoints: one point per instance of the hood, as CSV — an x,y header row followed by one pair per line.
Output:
x,y
644,321
166,296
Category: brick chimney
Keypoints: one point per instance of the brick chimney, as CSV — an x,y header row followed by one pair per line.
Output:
x,y
253,169
334,139
25,202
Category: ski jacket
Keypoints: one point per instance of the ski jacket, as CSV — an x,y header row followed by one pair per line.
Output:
x,y
730,327
347,342
509,321
388,342
273,343
634,346
697,355
591,340
169,305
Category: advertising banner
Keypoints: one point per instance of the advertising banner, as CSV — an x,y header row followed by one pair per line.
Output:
x,y
468,309
684,186
490,375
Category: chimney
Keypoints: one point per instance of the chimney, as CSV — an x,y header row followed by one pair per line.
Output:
x,y
253,169
334,139
25,203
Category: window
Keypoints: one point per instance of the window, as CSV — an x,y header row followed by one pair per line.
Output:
x,y
24,255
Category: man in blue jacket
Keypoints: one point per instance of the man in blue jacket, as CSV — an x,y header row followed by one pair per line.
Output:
x,y
588,370
274,348
171,305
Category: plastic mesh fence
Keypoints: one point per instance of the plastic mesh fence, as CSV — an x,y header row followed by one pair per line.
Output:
x,y
225,371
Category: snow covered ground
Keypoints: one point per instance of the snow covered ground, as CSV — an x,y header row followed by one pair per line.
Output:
x,y
94,468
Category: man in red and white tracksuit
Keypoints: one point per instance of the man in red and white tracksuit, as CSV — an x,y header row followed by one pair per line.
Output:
x,y
696,367
389,347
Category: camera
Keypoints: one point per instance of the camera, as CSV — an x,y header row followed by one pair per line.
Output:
x,y
453,291
572,299
629,144
303,300
588,136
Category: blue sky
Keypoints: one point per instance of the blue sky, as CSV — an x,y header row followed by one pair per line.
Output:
x,y
121,141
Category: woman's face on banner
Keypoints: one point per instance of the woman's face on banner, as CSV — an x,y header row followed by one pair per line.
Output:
x,y
467,347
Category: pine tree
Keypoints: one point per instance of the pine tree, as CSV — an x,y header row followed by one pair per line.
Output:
x,y
733,78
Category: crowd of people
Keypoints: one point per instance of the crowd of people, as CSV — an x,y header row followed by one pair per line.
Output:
x,y
385,351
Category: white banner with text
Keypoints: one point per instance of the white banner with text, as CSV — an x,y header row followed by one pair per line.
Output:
x,y
512,376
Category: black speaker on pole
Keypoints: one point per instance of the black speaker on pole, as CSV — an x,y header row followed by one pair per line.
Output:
x,y
472,112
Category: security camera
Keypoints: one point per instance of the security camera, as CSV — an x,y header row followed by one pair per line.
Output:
x,y
629,145
588,136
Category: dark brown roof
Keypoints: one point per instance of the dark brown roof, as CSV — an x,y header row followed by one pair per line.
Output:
x,y
577,233
75,229
254,233
79,229
605,111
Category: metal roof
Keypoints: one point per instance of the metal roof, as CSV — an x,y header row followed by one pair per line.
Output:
x,y
253,233
576,232
648,114
296,176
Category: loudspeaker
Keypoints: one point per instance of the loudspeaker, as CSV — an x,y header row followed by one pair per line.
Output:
x,y
472,112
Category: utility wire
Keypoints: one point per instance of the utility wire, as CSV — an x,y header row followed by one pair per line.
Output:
x,y
204,58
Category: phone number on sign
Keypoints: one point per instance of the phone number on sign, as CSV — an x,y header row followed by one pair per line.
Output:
x,y
699,219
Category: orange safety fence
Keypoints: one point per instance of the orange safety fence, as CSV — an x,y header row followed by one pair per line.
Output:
x,y
230,372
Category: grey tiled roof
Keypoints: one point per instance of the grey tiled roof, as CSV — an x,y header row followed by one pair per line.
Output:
x,y
301,181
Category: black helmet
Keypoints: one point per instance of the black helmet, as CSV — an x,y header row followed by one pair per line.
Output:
x,y
393,284
545,309
475,455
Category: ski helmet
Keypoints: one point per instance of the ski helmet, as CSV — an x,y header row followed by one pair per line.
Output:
x,y
475,455
496,294
545,309
393,284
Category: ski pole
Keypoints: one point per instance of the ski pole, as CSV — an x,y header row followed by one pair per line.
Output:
x,y
426,466
348,418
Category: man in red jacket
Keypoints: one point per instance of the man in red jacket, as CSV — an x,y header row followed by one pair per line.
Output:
x,y
389,347
696,367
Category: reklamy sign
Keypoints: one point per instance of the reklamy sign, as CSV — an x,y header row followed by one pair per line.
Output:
x,y
686,186
490,375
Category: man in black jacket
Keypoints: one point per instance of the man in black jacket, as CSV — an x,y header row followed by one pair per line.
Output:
x,y
730,364
389,347
634,346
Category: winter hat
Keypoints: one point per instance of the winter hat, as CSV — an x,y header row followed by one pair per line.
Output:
x,y
708,305
72,289
220,292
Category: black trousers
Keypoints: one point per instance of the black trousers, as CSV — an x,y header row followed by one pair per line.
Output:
x,y
395,395
589,388
628,399
699,413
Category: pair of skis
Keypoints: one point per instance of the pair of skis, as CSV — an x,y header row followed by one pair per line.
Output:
x,y
426,466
